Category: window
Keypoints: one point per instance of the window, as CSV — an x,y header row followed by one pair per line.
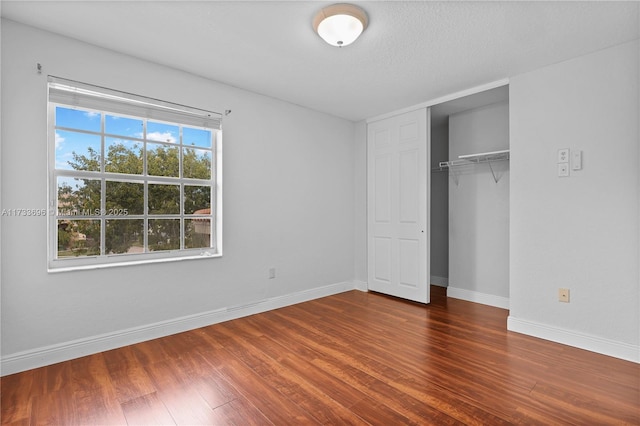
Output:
x,y
131,179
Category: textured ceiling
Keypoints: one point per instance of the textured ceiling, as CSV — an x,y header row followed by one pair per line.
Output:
x,y
412,51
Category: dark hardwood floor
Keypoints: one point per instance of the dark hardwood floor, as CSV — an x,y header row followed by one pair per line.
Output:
x,y
352,358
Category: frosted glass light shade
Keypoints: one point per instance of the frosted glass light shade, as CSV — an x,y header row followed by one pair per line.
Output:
x,y
340,24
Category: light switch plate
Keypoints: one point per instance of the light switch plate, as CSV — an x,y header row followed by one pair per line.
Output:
x,y
563,169
563,155
576,160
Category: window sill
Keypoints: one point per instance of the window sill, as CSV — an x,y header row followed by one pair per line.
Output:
x,y
58,267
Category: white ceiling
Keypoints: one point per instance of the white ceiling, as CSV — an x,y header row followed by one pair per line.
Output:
x,y
412,51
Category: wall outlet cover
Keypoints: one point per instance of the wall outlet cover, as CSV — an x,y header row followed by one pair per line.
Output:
x,y
563,169
563,295
563,155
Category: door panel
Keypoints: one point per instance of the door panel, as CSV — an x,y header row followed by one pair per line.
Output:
x,y
409,269
398,194
382,254
408,188
383,189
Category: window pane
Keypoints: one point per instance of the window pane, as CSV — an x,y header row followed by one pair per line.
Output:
x,y
164,199
78,119
124,198
196,163
162,132
78,196
78,238
196,137
197,233
197,199
77,151
124,236
162,160
123,126
164,234
123,156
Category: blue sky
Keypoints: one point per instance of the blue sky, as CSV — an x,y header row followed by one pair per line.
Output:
x,y
68,141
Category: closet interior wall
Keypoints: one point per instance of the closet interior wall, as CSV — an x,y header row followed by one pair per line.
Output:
x,y
470,204
439,203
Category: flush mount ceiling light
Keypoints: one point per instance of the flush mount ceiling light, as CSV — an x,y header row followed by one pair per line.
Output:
x,y
340,24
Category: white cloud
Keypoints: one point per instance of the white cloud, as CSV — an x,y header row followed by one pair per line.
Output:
x,y
162,137
91,114
59,140
62,161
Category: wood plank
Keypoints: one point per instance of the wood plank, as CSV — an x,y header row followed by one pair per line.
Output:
x,y
94,396
304,394
147,410
187,406
587,407
274,405
239,412
341,356
215,390
16,396
128,376
54,408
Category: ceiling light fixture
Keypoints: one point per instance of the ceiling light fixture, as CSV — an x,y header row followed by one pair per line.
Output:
x,y
340,24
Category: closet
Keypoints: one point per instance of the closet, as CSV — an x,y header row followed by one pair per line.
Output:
x,y
469,244
438,199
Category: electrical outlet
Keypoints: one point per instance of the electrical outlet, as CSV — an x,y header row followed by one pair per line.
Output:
x,y
563,295
272,273
563,155
563,169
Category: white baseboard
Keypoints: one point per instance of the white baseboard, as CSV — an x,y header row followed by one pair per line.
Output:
x,y
360,285
579,340
39,357
474,296
439,281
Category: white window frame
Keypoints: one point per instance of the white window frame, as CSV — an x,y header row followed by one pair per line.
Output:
x,y
72,94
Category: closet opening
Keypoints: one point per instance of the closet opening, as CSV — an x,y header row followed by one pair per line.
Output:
x,y
469,204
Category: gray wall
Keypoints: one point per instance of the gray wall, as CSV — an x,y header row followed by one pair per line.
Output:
x,y
479,207
288,202
439,244
360,207
578,232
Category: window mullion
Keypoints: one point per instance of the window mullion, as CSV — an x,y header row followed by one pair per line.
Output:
x,y
214,191
145,207
103,189
181,175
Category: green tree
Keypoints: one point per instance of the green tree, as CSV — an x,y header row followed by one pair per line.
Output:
x,y
86,198
163,161
196,164
121,234
121,159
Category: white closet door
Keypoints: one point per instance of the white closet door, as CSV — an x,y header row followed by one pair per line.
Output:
x,y
397,205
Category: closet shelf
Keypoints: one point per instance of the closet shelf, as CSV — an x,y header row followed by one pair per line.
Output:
x,y
470,159
483,157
